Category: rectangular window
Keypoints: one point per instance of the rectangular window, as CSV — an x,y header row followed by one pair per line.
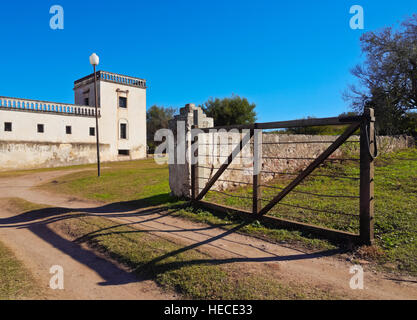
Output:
x,y
68,129
7,126
86,101
124,152
92,131
40,128
122,102
123,133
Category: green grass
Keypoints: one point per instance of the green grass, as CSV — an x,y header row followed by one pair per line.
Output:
x,y
16,282
257,229
119,181
15,173
146,182
395,205
192,273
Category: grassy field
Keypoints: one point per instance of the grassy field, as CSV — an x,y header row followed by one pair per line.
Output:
x,y
16,173
119,181
16,281
395,206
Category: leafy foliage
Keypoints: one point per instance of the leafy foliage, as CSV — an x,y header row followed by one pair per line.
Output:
x,y
388,78
230,111
157,118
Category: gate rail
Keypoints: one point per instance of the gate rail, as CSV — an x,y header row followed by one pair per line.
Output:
x,y
364,122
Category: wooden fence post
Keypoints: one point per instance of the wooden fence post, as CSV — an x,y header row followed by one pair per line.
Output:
x,y
367,150
257,167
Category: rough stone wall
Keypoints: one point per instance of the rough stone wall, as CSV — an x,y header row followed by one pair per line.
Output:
x,y
214,149
274,146
29,155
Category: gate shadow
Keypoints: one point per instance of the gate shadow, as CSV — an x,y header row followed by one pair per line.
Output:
x,y
38,221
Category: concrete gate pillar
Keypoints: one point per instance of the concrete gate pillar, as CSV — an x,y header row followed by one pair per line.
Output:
x,y
181,125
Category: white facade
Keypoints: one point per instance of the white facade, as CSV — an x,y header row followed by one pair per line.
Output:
x,y
30,127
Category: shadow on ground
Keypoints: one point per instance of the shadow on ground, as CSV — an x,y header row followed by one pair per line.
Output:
x,y
38,221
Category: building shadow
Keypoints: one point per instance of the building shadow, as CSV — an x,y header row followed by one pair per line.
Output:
x,y
142,207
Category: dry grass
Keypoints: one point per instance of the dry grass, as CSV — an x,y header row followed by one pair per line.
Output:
x,y
16,282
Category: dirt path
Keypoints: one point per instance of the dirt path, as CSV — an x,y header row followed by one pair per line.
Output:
x,y
89,276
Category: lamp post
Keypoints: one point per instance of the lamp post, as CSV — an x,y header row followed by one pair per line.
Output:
x,y
94,60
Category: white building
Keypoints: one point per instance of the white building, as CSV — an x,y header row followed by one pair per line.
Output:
x,y
45,134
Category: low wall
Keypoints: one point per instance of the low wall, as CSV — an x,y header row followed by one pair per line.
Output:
x,y
29,155
214,148
274,146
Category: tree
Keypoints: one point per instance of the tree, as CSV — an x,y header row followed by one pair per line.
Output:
x,y
388,77
230,111
157,118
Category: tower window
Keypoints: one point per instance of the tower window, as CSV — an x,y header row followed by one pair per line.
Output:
x,y
122,102
68,130
41,128
123,132
7,126
86,102
92,131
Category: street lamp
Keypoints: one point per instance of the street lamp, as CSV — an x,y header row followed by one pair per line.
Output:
x,y
94,60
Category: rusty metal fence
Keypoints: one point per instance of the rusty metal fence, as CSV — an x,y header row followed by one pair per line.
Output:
x,y
260,193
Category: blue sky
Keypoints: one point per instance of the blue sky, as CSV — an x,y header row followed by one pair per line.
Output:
x,y
291,58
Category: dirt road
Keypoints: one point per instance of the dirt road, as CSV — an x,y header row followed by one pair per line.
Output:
x,y
90,276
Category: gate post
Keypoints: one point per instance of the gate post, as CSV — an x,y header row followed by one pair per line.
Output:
x,y
194,169
180,168
367,150
257,167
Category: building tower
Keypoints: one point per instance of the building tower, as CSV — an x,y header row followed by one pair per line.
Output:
x,y
122,110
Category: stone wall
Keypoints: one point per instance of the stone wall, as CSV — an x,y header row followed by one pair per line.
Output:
x,y
29,155
288,147
214,149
